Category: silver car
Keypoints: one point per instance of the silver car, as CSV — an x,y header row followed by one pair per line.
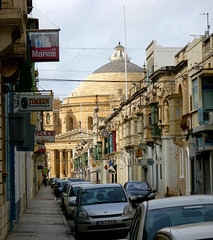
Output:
x,y
103,208
186,232
151,216
65,195
71,209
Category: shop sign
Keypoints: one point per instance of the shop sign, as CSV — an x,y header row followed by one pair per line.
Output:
x,y
33,103
142,162
41,149
138,152
205,143
44,136
105,134
44,45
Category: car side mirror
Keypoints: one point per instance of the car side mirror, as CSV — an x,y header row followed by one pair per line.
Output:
x,y
72,203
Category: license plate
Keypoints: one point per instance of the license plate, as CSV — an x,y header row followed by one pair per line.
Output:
x,y
109,222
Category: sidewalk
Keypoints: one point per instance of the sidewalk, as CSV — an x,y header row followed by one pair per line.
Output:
x,y
42,220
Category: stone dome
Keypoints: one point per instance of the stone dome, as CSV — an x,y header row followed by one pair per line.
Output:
x,y
104,76
117,63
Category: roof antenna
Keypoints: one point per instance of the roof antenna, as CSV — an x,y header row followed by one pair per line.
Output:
x,y
208,26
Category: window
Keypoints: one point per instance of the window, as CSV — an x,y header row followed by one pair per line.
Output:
x,y
70,127
195,94
136,127
149,119
90,123
181,163
48,118
207,91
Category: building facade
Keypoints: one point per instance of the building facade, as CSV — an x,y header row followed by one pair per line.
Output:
x,y
19,176
73,153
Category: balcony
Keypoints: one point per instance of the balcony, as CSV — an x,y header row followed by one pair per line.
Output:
x,y
204,115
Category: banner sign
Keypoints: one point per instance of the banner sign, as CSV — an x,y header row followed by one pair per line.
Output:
x,y
138,152
44,46
41,149
44,136
33,103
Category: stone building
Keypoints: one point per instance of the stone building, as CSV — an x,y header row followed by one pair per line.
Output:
x,y
73,153
17,166
164,130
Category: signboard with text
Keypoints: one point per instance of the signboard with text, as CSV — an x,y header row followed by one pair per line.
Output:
x,y
44,136
44,46
35,103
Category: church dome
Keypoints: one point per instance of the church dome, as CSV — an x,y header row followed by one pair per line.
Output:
x,y
100,82
117,63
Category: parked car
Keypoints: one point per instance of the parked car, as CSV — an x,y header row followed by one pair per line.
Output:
x,y
102,208
51,181
186,232
72,192
54,180
139,191
65,193
151,216
76,179
58,187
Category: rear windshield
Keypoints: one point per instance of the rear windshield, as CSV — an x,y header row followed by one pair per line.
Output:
x,y
102,195
62,184
168,217
137,186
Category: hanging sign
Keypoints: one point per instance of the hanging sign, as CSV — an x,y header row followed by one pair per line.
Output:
x,y
44,136
44,45
105,134
35,103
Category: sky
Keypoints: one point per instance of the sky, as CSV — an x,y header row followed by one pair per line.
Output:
x,y
90,29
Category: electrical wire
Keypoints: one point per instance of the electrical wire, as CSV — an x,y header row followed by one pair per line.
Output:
x,y
81,80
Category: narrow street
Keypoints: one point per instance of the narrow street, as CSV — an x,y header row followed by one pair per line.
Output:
x,y
43,219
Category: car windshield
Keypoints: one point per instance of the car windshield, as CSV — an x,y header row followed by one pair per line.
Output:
x,y
62,184
103,195
136,186
168,217
74,191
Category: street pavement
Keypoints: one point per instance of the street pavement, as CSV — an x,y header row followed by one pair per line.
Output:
x,y
43,219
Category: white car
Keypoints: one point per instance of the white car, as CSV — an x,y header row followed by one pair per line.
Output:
x,y
70,210
186,232
151,216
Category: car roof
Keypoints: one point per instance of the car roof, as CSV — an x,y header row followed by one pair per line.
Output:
x,y
107,185
79,185
190,231
179,201
135,182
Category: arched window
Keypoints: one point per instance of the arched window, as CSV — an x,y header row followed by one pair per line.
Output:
x,y
90,123
70,126
47,118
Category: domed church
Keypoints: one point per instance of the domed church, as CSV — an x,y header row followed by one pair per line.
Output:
x,y
100,93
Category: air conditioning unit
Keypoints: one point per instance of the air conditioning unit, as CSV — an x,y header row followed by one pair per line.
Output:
x,y
210,117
